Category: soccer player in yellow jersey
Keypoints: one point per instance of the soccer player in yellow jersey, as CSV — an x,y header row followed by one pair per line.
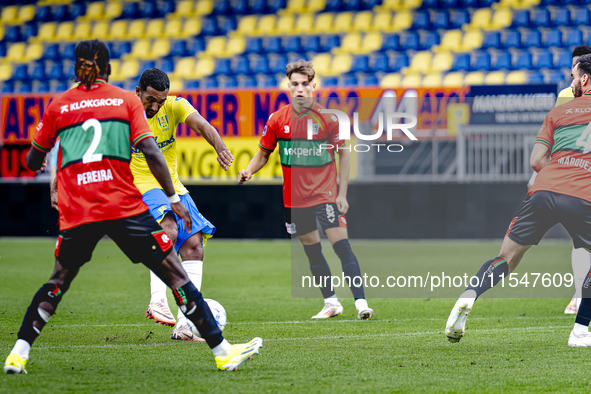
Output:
x,y
580,258
164,114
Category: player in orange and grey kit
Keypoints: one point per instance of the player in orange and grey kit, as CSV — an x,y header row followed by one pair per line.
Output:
x,y
310,183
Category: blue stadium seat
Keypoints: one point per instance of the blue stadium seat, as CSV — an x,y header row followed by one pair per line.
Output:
x,y
540,17
492,39
430,4
440,19
222,67
42,14
266,81
349,80
43,87
240,65
165,7
501,60
510,39
391,42
369,80
379,62
278,63
209,26
292,44
257,7
76,9
60,13
119,48
553,76
220,7
398,61
36,71
580,17
521,59
2,48
209,83
461,62
552,38
535,77
360,64
28,30
563,59
226,24
178,48
147,9
571,37
192,84
26,88
60,87
560,17
311,44
531,39
129,11
272,45
67,51
329,82
166,65
428,39
328,42
420,20
247,82
333,6
12,34
55,71
370,4
51,52
259,65
480,61
352,5
447,4
485,3
409,40
7,87
229,82
195,46
469,4
146,65
254,45
118,84
543,59
275,5
520,18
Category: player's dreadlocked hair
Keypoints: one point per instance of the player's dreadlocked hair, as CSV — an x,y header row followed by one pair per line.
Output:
x,y
581,50
300,67
584,64
92,58
155,78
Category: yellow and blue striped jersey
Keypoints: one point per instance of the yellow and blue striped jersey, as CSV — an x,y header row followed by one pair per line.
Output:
x,y
164,124
564,96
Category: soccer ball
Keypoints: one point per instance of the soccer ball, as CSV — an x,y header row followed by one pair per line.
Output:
x,y
219,314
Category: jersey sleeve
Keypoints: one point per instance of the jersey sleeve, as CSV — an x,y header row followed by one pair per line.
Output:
x,y
333,131
182,109
137,120
45,133
546,134
268,140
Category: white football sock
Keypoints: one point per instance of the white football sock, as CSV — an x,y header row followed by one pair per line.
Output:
x,y
22,348
332,300
157,288
194,270
581,262
222,350
361,304
581,329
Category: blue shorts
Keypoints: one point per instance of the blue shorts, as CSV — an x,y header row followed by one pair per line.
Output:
x,y
159,206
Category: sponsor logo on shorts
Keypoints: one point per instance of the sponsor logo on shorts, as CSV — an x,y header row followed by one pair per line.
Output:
x,y
291,228
162,239
330,213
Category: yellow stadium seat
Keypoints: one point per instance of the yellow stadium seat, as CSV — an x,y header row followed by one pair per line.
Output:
x,y
112,10
160,48
389,5
304,24
82,31
381,21
46,32
411,81
127,69
340,64
412,4
474,78
371,42
99,30
139,50
246,25
295,7
115,67
453,80
315,5
432,80
350,43
402,20
118,30
203,68
191,28
362,21
136,29
266,25
323,24
184,9
516,78
176,85
155,28
501,19
420,63
495,78
321,63
216,47
1,32
203,7
343,22
442,61
172,28
25,14
184,68
94,11
33,52
480,19
472,40
391,81
516,4
5,71
285,24
64,32
235,46
15,53
9,14
451,41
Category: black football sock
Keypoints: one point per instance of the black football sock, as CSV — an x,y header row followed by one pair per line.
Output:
x,y
350,267
319,268
489,275
36,317
584,314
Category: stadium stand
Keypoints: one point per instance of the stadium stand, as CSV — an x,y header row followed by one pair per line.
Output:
x,y
247,43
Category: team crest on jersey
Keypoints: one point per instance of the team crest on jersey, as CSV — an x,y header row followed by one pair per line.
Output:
x,y
286,129
163,121
315,128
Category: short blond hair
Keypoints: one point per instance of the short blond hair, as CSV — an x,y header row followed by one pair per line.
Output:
x,y
300,67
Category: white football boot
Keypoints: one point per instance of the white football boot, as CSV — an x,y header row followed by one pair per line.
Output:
x,y
573,306
456,323
329,311
160,312
575,340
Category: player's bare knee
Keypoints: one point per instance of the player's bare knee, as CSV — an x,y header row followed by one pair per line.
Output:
x,y
192,253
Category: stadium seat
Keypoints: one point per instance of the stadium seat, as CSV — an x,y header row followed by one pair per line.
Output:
x,y
339,65
226,25
401,21
176,85
580,17
516,78
378,62
184,68
112,10
34,51
19,73
240,65
25,14
82,31
139,50
459,18
234,46
432,80
480,19
5,71
420,20
531,38
510,39
500,60
155,28
292,44
129,11
472,40
451,41
50,52
342,22
542,58
491,39
36,71
266,25
381,21
285,25
100,30
259,65
119,49
440,19
294,7
571,37
272,45
191,28
209,26
160,49
277,63
28,30
371,42
409,40
540,17
67,51
520,18
398,61
16,52
118,30
535,77
64,31
360,64
521,59
184,9
553,76
321,63
411,81
215,47
453,79
203,68
562,59
311,44
254,45
480,61
495,78
350,43
501,19
147,10
136,29
362,21
390,81
420,63
442,61
9,14
172,28
60,13
560,17
323,23
474,78
392,42
461,62
327,42
551,38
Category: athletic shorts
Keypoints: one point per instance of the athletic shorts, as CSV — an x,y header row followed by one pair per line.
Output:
x,y
159,206
542,210
139,237
300,221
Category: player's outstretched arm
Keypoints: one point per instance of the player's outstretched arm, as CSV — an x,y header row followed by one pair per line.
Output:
x,y
198,124
344,168
539,157
258,161
159,168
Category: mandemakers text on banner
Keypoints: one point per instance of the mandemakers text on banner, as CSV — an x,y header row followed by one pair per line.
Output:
x,y
345,130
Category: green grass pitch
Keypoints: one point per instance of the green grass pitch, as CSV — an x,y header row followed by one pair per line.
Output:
x,y
100,341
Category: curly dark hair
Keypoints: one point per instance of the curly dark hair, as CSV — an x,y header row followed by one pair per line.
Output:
x,y
155,78
92,59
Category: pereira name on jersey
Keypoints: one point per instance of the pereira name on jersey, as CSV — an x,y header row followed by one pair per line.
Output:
x,y
93,178
567,133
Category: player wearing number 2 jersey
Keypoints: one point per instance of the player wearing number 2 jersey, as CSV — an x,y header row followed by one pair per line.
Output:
x,y
561,194
98,124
